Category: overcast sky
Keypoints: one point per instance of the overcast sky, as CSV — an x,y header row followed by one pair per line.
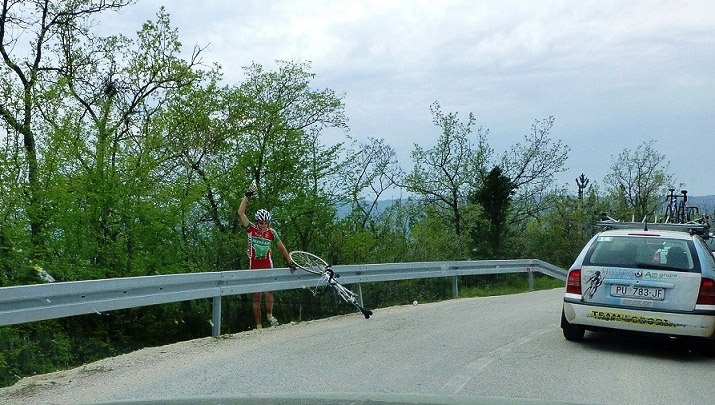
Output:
x,y
613,73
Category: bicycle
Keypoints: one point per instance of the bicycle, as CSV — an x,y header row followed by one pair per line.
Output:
x,y
315,265
676,211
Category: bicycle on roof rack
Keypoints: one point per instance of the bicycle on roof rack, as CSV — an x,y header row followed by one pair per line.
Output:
x,y
678,217
328,277
677,211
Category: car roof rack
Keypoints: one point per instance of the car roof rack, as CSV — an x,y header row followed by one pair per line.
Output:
x,y
678,218
700,226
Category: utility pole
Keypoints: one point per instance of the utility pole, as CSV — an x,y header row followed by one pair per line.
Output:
x,y
581,182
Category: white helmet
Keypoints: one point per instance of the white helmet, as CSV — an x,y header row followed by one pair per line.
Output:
x,y
263,215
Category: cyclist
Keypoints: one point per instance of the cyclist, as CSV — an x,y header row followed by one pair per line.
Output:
x,y
260,238
594,282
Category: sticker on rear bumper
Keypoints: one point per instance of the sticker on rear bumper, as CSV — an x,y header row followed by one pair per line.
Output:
x,y
634,319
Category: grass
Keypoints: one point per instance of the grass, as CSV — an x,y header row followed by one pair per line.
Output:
x,y
509,284
402,292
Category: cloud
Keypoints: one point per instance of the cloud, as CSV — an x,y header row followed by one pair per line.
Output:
x,y
612,72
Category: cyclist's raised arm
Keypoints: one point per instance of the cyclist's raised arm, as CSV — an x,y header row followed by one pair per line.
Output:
x,y
242,212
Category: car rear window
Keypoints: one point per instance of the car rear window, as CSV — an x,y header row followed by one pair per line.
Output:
x,y
643,252
708,258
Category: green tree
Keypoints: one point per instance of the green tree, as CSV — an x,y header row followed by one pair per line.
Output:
x,y
370,170
532,165
277,115
444,175
24,77
308,207
14,240
641,178
558,235
203,179
117,85
494,196
277,119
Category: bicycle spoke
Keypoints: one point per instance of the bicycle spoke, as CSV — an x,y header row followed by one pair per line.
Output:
x,y
308,262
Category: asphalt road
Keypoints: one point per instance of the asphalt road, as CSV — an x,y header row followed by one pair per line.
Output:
x,y
506,347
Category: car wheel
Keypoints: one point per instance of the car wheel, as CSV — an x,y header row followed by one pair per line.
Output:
x,y
572,333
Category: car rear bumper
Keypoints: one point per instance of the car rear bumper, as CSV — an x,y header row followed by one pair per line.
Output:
x,y
640,321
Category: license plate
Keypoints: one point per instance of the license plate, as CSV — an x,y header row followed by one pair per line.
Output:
x,y
650,293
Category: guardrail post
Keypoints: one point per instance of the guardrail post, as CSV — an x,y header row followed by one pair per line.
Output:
x,y
216,319
531,278
455,287
360,294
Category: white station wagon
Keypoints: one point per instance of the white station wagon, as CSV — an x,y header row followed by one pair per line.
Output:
x,y
653,280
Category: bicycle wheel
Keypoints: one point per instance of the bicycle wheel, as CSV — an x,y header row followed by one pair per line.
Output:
x,y
308,262
681,213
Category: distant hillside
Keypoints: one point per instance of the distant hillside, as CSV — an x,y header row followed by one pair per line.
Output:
x,y
705,203
344,209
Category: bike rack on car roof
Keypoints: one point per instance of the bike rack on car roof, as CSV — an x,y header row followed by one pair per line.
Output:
x,y
677,209
700,226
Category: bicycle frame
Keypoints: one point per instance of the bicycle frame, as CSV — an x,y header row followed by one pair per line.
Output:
x,y
329,276
315,265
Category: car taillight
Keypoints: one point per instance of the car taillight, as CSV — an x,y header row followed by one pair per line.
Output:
x,y
707,292
573,284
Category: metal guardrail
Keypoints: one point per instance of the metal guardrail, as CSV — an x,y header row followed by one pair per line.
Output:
x,y
22,304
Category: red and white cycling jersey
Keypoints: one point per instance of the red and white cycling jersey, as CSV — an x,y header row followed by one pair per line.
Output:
x,y
259,247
